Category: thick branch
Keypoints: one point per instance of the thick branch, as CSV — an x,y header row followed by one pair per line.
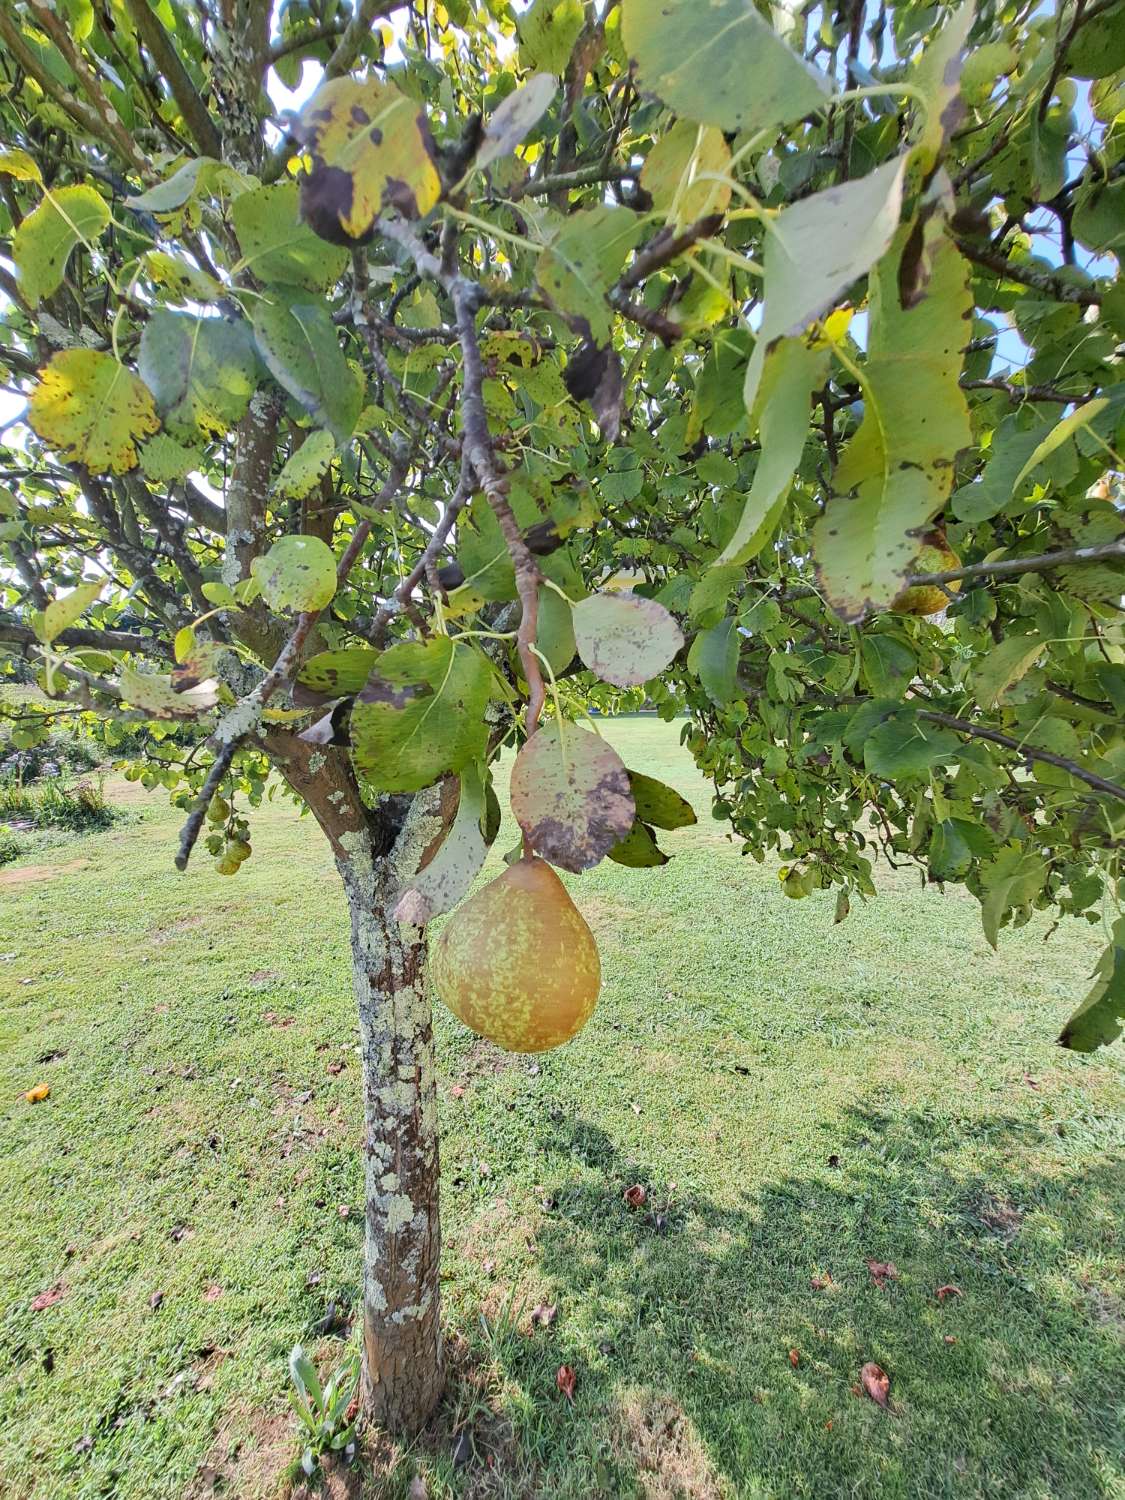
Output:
x,y
1028,752
169,65
1029,276
97,640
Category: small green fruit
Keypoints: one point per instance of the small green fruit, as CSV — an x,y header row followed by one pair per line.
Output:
x,y
228,864
218,810
936,556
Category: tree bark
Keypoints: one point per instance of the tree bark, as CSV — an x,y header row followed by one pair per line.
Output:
x,y
376,853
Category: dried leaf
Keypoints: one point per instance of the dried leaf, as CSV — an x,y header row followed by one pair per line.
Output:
x,y
877,1383
544,1315
821,1283
50,1297
949,1290
882,1271
566,1378
40,1092
636,1196
794,1357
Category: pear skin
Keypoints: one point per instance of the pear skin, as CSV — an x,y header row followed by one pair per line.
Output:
x,y
517,963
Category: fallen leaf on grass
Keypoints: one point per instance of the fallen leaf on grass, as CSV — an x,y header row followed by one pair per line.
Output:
x,y
417,1490
948,1339
213,1292
544,1315
344,1210
821,1283
457,1091
636,1196
949,1290
882,1271
50,1297
566,1379
40,1092
877,1383
155,1300
794,1357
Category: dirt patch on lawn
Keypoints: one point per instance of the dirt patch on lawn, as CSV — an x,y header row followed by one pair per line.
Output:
x,y
658,1438
251,1458
25,874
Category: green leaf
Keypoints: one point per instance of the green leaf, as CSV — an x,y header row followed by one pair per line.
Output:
x,y
782,411
421,713
297,573
202,371
516,117
901,746
1058,435
457,861
713,658
1006,663
61,613
658,804
370,148
949,856
679,172
888,664
302,351
817,249
219,594
583,258
92,410
548,30
896,473
1098,1020
638,849
42,244
624,638
1011,446
555,633
277,246
181,280
197,178
938,75
720,63
1014,878
337,674
570,794
307,465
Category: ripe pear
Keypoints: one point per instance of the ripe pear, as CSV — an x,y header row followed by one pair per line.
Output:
x,y
936,556
517,963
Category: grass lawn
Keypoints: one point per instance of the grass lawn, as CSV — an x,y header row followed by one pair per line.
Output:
x,y
797,1098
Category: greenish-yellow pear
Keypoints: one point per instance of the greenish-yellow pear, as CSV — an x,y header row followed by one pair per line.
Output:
x,y
517,962
936,556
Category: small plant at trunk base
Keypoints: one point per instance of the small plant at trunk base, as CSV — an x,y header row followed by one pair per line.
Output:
x,y
327,1412
645,349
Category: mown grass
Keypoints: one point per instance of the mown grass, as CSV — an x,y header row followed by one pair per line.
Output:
x,y
796,1098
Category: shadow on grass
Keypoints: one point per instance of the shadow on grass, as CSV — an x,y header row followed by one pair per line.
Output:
x,y
680,1317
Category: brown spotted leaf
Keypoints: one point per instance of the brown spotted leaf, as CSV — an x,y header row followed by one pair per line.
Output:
x,y
882,1271
566,1378
371,149
92,410
636,1196
876,1383
571,796
625,638
544,1315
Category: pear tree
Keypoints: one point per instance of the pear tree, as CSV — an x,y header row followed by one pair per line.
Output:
x,y
387,385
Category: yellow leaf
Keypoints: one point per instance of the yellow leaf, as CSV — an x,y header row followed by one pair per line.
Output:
x,y
38,1093
92,410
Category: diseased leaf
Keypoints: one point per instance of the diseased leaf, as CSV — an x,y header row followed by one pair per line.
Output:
x,y
338,674
720,63
570,794
446,877
1100,1018
713,657
181,280
302,351
659,804
421,713
297,573
897,472
61,613
371,149
516,117
92,410
201,371
42,244
583,258
154,695
304,468
625,638
277,247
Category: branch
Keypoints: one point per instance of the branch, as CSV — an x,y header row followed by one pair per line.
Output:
x,y
1039,281
358,30
323,33
1028,752
557,182
1017,392
665,247
98,640
168,63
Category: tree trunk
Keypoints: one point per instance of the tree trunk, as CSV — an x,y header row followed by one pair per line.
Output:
x,y
376,853
403,1371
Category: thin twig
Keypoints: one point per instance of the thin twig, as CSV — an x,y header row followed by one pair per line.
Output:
x,y
1029,752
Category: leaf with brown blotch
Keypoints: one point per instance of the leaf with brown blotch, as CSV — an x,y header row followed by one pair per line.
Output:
x,y
544,1315
593,373
794,1357
571,796
636,1196
625,638
50,1297
882,1271
566,1379
949,1290
821,1283
876,1383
